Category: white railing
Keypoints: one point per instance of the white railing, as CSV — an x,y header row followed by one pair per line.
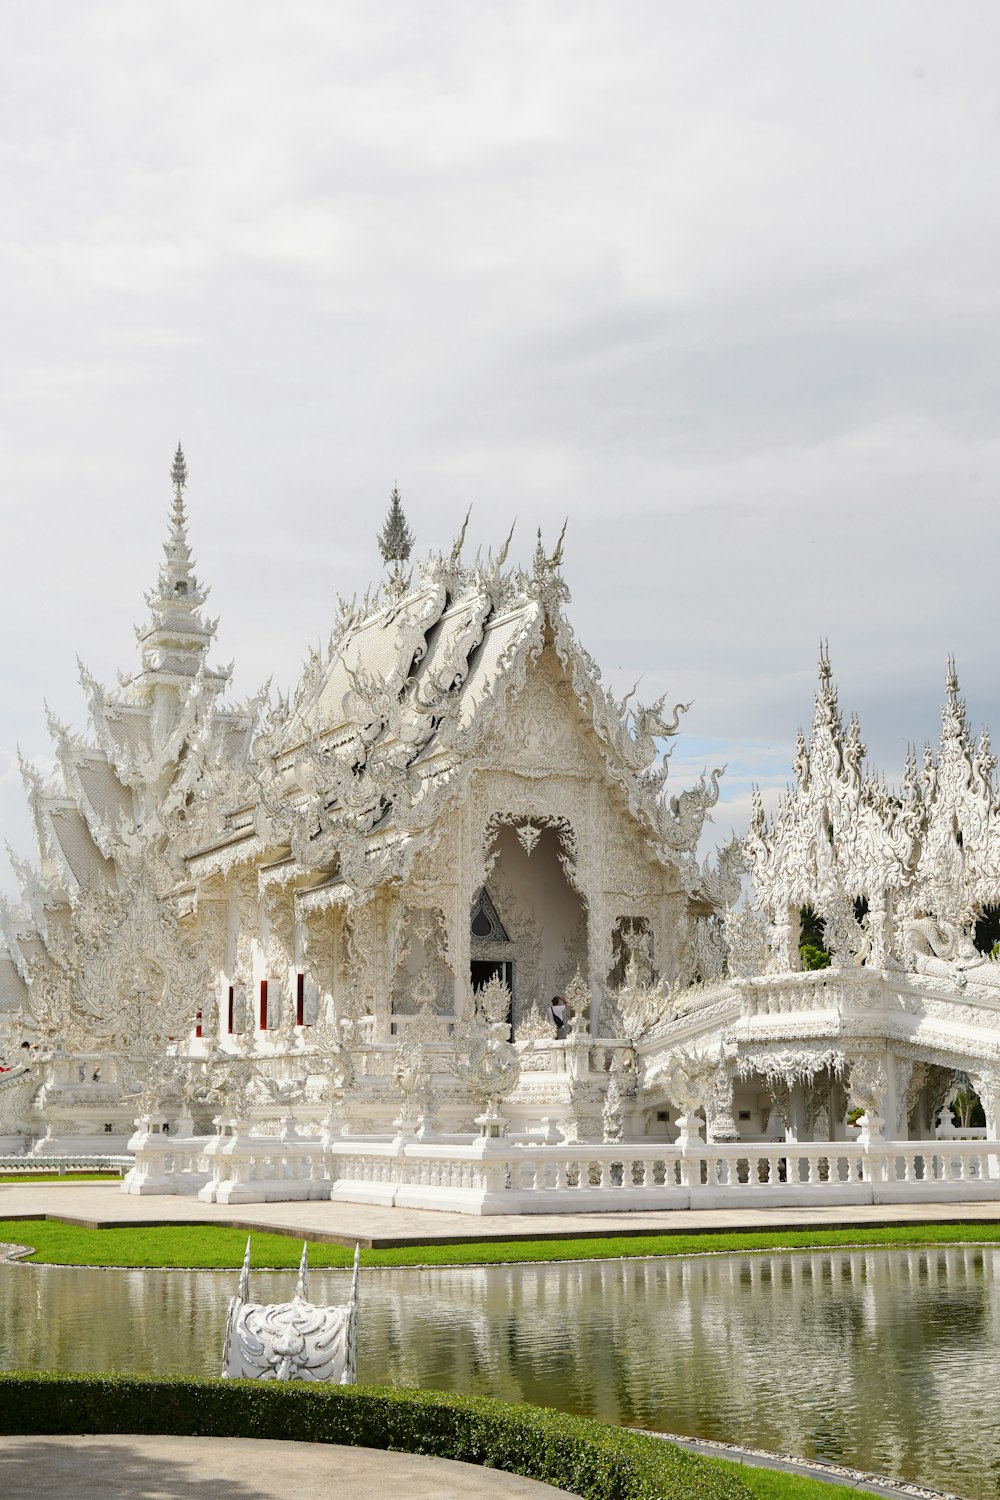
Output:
x,y
167,1164
946,1131
228,1168
32,1166
814,989
491,1177
14,1074
256,1169
518,1176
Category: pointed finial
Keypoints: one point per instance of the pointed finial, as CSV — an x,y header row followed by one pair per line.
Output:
x,y
540,558
178,471
502,554
456,550
395,540
824,661
31,776
756,809
302,1285
951,681
243,1290
556,559
57,729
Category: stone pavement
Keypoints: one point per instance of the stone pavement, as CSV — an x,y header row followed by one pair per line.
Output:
x,y
102,1205
126,1467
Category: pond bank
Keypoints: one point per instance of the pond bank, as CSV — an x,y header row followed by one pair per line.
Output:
x,y
59,1241
100,1205
836,1475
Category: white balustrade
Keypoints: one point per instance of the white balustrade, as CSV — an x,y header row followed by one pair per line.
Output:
x,y
821,989
31,1166
477,1176
166,1164
485,1177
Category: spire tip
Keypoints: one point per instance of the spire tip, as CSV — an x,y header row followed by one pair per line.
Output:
x,y
178,469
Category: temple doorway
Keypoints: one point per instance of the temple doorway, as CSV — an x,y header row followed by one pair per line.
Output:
x,y
529,923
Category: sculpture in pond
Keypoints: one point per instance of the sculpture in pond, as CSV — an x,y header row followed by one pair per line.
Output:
x,y
290,1340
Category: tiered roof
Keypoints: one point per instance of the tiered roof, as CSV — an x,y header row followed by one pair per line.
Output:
x,y
357,767
927,848
161,744
353,771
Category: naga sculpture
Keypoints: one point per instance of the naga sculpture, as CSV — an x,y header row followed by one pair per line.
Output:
x,y
290,1340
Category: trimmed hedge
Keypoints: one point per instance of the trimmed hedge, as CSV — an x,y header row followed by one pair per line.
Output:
x,y
577,1454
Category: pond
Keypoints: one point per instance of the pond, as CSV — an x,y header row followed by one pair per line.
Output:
x,y
886,1360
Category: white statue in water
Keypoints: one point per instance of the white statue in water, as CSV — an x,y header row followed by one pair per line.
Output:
x,y
290,1340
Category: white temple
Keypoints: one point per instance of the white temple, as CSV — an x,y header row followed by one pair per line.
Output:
x,y
307,948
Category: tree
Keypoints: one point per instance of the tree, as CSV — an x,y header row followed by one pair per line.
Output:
x,y
813,953
986,933
966,1108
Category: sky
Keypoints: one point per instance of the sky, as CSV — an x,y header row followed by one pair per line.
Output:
x,y
717,282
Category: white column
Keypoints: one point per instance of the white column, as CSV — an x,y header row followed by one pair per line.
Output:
x,y
987,1086
796,1129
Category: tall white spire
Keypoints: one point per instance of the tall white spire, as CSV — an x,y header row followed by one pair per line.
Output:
x,y
175,642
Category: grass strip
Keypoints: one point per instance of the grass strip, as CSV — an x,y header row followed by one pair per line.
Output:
x,y
218,1247
151,1246
112,1175
719,1242
773,1484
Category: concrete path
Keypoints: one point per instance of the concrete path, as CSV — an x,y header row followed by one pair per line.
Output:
x,y
131,1467
100,1205
124,1467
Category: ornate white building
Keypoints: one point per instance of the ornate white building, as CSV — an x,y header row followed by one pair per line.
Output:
x,y
310,945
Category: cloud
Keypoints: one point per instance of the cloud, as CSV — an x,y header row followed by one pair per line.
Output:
x,y
717,284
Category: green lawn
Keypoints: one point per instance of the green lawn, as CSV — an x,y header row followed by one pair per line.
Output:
x,y
210,1246
110,1176
770,1484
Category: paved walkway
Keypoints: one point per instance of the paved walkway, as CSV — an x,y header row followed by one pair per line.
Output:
x,y
100,1205
124,1467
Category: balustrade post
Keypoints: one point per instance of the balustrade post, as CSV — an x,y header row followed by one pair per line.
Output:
x,y
870,1139
494,1173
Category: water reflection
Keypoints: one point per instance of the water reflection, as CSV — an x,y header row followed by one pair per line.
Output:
x,y
887,1360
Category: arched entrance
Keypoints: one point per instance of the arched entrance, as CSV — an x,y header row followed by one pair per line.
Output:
x,y
528,922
